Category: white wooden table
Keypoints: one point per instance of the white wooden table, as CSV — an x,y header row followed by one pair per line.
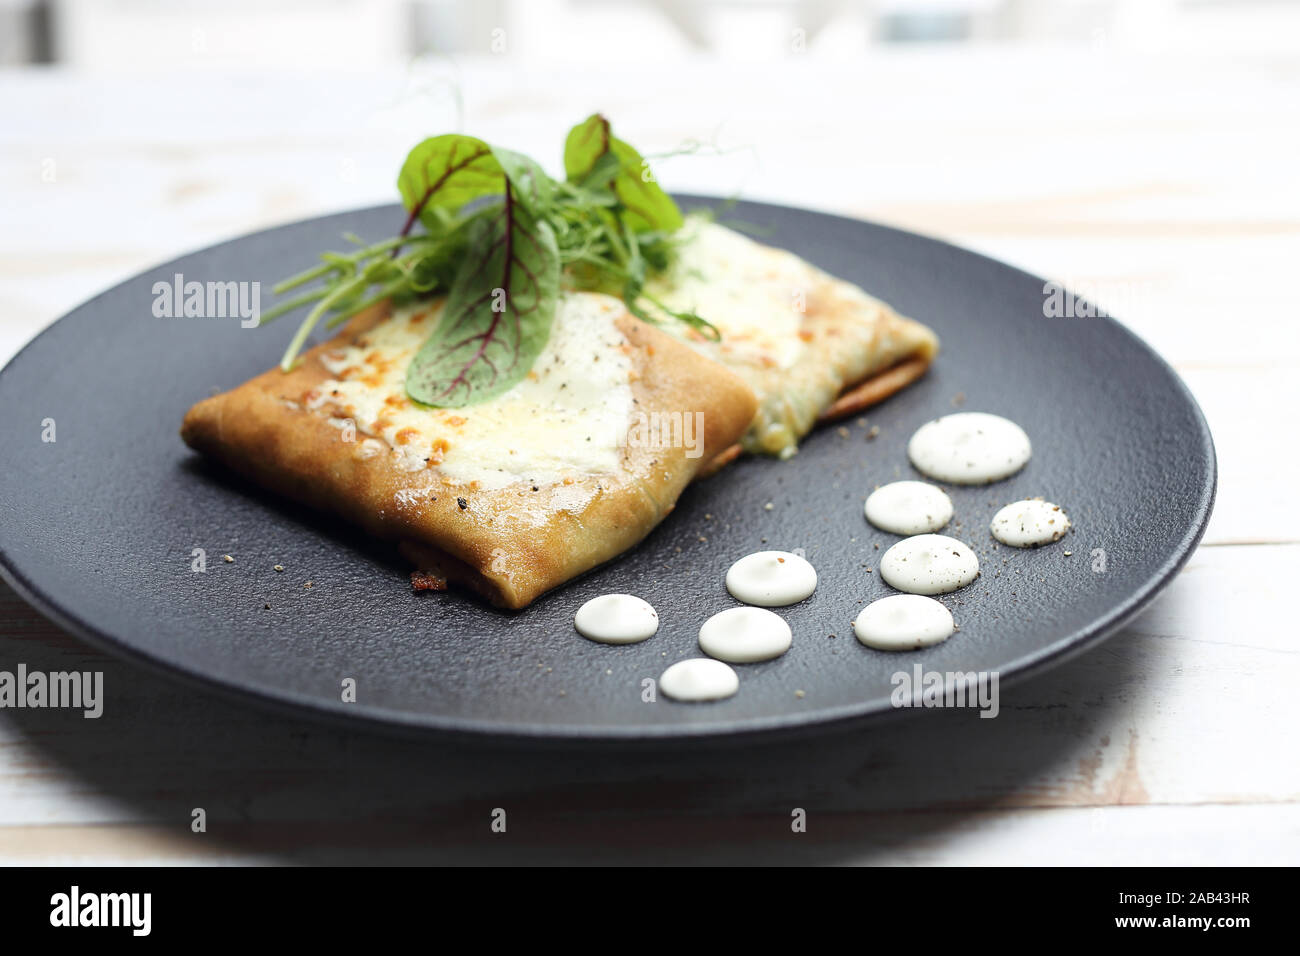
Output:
x,y
1165,187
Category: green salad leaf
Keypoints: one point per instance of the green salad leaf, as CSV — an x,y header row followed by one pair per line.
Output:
x,y
500,238
595,158
444,173
528,180
498,313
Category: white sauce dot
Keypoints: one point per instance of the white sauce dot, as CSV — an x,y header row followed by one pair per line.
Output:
x,y
700,678
908,507
1029,523
929,564
743,635
616,619
771,579
903,622
969,448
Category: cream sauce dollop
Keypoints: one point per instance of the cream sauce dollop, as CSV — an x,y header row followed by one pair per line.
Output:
x,y
908,507
903,622
697,679
771,579
1029,523
969,448
744,635
616,619
929,564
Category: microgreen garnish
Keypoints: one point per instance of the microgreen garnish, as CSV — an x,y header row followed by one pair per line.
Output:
x,y
500,239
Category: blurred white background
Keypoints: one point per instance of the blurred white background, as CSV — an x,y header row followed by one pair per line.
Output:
x,y
194,34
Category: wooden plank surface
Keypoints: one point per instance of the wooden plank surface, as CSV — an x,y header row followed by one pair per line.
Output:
x,y
1163,187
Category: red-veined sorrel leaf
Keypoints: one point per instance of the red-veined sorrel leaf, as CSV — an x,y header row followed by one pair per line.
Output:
x,y
594,158
529,182
444,173
498,313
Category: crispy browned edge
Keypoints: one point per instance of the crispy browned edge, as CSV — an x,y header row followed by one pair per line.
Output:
x,y
876,389
510,545
851,401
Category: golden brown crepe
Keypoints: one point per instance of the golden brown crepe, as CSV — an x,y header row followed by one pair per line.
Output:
x,y
813,347
510,497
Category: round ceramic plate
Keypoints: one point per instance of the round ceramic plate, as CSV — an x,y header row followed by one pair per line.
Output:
x,y
102,524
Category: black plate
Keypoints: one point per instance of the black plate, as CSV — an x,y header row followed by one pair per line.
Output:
x,y
100,525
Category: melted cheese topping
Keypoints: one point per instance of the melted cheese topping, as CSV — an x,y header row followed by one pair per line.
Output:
x,y
567,419
755,295
796,335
